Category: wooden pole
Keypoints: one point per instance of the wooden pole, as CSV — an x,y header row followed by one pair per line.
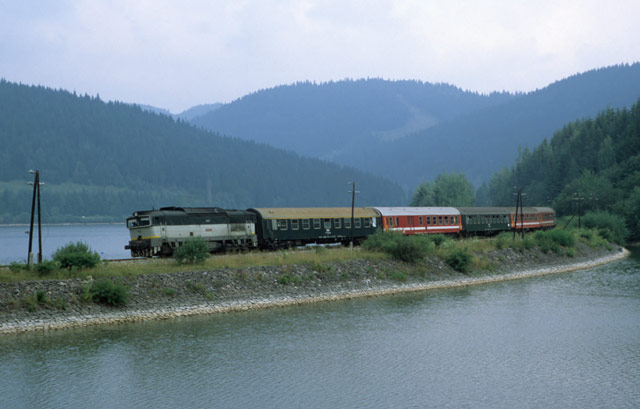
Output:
x,y
33,207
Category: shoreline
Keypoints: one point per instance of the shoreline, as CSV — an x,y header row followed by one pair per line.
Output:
x,y
239,301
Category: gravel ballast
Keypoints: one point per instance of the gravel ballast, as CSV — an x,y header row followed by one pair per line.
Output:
x,y
173,295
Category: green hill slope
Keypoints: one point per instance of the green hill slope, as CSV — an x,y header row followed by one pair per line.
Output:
x,y
594,160
104,160
484,141
410,131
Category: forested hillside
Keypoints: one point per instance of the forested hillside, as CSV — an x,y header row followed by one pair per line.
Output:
x,y
589,165
411,131
340,118
105,160
484,141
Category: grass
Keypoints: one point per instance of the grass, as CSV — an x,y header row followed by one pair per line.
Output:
x,y
319,258
225,261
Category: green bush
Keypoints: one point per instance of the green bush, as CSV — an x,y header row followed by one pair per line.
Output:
x,y
284,279
409,249
105,291
76,255
46,267
610,226
546,242
459,260
194,251
504,240
554,239
438,239
16,267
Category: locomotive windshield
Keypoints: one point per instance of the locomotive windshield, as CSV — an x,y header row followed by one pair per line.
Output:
x,y
138,221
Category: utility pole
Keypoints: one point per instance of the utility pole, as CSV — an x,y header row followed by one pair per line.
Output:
x,y
353,202
579,199
36,196
519,209
515,220
522,213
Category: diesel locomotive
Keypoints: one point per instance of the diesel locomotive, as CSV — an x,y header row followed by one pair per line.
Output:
x,y
160,232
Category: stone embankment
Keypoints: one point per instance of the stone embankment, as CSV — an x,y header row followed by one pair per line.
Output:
x,y
164,296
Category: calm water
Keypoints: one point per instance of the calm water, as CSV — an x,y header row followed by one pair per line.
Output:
x,y
566,341
107,239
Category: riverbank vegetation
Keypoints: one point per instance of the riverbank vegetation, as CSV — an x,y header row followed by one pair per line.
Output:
x,y
463,255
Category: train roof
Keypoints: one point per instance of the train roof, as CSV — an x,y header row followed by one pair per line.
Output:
x,y
502,210
188,211
417,211
313,212
545,210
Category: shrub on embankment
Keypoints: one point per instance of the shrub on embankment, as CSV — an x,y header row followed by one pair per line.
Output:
x,y
106,291
76,255
71,258
194,251
399,246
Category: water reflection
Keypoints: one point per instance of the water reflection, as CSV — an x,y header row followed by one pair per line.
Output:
x,y
571,340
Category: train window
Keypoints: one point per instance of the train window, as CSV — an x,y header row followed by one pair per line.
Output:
x,y
446,220
357,222
367,222
327,224
420,220
428,220
282,224
390,221
306,224
347,223
316,223
295,224
397,222
337,223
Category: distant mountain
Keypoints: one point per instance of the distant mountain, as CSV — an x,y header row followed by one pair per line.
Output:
x,y
336,119
198,110
482,142
155,110
105,160
411,131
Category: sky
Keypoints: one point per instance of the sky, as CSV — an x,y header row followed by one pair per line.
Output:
x,y
177,54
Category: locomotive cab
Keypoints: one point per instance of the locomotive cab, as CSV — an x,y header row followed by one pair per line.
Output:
x,y
146,238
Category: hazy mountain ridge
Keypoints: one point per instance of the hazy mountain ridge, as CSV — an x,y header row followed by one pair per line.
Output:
x,y
482,142
322,120
186,115
411,131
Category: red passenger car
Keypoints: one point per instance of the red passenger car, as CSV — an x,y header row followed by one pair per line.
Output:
x,y
421,220
533,218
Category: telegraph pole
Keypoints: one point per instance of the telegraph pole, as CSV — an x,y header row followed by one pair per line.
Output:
x,y
579,199
353,202
515,220
519,208
36,196
522,213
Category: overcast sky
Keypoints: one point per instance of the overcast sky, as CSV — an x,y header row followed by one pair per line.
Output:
x,y
177,54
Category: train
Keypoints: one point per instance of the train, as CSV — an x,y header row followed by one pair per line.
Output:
x,y
160,232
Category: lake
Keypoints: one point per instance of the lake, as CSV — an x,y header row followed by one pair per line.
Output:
x,y
563,341
107,239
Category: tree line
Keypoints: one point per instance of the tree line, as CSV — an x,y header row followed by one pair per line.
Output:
x,y
108,159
